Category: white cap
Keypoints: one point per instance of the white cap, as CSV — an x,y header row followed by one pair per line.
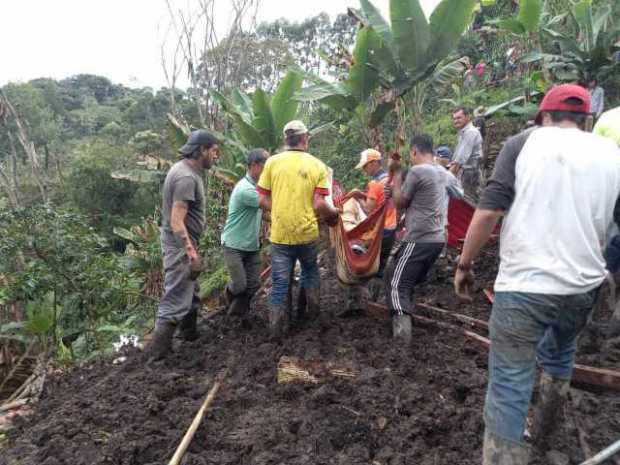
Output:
x,y
295,127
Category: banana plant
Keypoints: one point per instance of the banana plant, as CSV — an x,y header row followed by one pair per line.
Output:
x,y
259,119
589,55
393,56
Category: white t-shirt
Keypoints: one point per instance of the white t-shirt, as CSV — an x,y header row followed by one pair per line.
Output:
x,y
566,185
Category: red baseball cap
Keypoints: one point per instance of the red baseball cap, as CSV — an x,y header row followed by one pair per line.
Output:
x,y
565,97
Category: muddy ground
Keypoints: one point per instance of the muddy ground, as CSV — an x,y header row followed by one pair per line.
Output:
x,y
420,405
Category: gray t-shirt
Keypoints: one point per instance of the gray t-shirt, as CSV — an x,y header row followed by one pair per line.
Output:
x,y
184,184
424,192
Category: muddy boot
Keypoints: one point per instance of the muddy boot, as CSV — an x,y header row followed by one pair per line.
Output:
x,y
499,451
313,306
161,344
356,301
552,396
187,327
239,305
278,322
302,305
401,328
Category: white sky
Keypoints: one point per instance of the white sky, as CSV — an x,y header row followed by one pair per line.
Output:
x,y
119,39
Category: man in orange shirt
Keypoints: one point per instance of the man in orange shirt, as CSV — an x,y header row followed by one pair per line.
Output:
x,y
370,162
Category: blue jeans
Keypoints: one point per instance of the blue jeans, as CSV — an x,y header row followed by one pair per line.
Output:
x,y
526,328
283,258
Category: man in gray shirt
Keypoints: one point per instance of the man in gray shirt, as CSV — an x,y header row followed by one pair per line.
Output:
x,y
183,219
468,152
422,196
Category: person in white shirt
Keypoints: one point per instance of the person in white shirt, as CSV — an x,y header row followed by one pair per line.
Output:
x,y
557,189
597,98
465,163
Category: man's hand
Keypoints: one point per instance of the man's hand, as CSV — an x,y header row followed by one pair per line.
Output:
x,y
195,263
357,194
464,282
387,191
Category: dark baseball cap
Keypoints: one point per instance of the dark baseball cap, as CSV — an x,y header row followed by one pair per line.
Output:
x,y
565,97
196,139
444,151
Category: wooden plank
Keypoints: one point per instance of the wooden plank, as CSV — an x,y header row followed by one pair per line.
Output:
x,y
474,322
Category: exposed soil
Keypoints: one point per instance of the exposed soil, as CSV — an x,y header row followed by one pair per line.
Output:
x,y
420,405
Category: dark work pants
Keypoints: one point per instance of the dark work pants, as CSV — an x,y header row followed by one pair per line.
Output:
x,y
244,270
409,268
181,294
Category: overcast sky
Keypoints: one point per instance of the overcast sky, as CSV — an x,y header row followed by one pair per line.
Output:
x,y
119,39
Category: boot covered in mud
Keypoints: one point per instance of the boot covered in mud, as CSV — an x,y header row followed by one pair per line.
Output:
x,y
187,328
552,396
239,305
313,302
278,321
161,345
401,327
500,451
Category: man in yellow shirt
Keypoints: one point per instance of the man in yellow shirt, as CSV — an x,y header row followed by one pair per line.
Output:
x,y
293,186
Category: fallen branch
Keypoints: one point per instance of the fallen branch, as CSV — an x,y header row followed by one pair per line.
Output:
x,y
457,316
187,438
17,365
291,369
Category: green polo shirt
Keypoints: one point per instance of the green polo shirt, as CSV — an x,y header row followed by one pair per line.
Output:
x,y
242,227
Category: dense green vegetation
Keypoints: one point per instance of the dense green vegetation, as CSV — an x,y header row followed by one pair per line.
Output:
x,y
81,159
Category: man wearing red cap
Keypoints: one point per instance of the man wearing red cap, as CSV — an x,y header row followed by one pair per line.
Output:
x,y
557,189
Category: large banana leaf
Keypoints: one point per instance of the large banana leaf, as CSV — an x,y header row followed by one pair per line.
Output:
x,y
363,79
411,32
381,57
283,106
243,104
377,22
250,136
448,21
530,12
263,120
448,71
332,94
583,16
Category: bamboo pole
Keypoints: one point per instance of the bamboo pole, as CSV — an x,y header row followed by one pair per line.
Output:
x,y
187,438
604,454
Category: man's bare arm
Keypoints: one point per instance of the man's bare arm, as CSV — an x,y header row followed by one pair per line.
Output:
x,y
264,202
177,223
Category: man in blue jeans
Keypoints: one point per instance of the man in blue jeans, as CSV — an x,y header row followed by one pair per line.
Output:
x,y
557,189
293,186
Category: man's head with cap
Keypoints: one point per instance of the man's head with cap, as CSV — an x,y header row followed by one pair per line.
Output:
x,y
564,103
202,147
296,135
370,162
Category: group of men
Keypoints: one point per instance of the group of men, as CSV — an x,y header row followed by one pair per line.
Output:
x,y
555,187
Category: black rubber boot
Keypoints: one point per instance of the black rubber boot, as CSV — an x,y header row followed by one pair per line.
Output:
x,y
161,344
239,305
187,328
401,328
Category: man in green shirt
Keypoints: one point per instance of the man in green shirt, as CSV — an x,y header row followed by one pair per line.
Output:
x,y
240,238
